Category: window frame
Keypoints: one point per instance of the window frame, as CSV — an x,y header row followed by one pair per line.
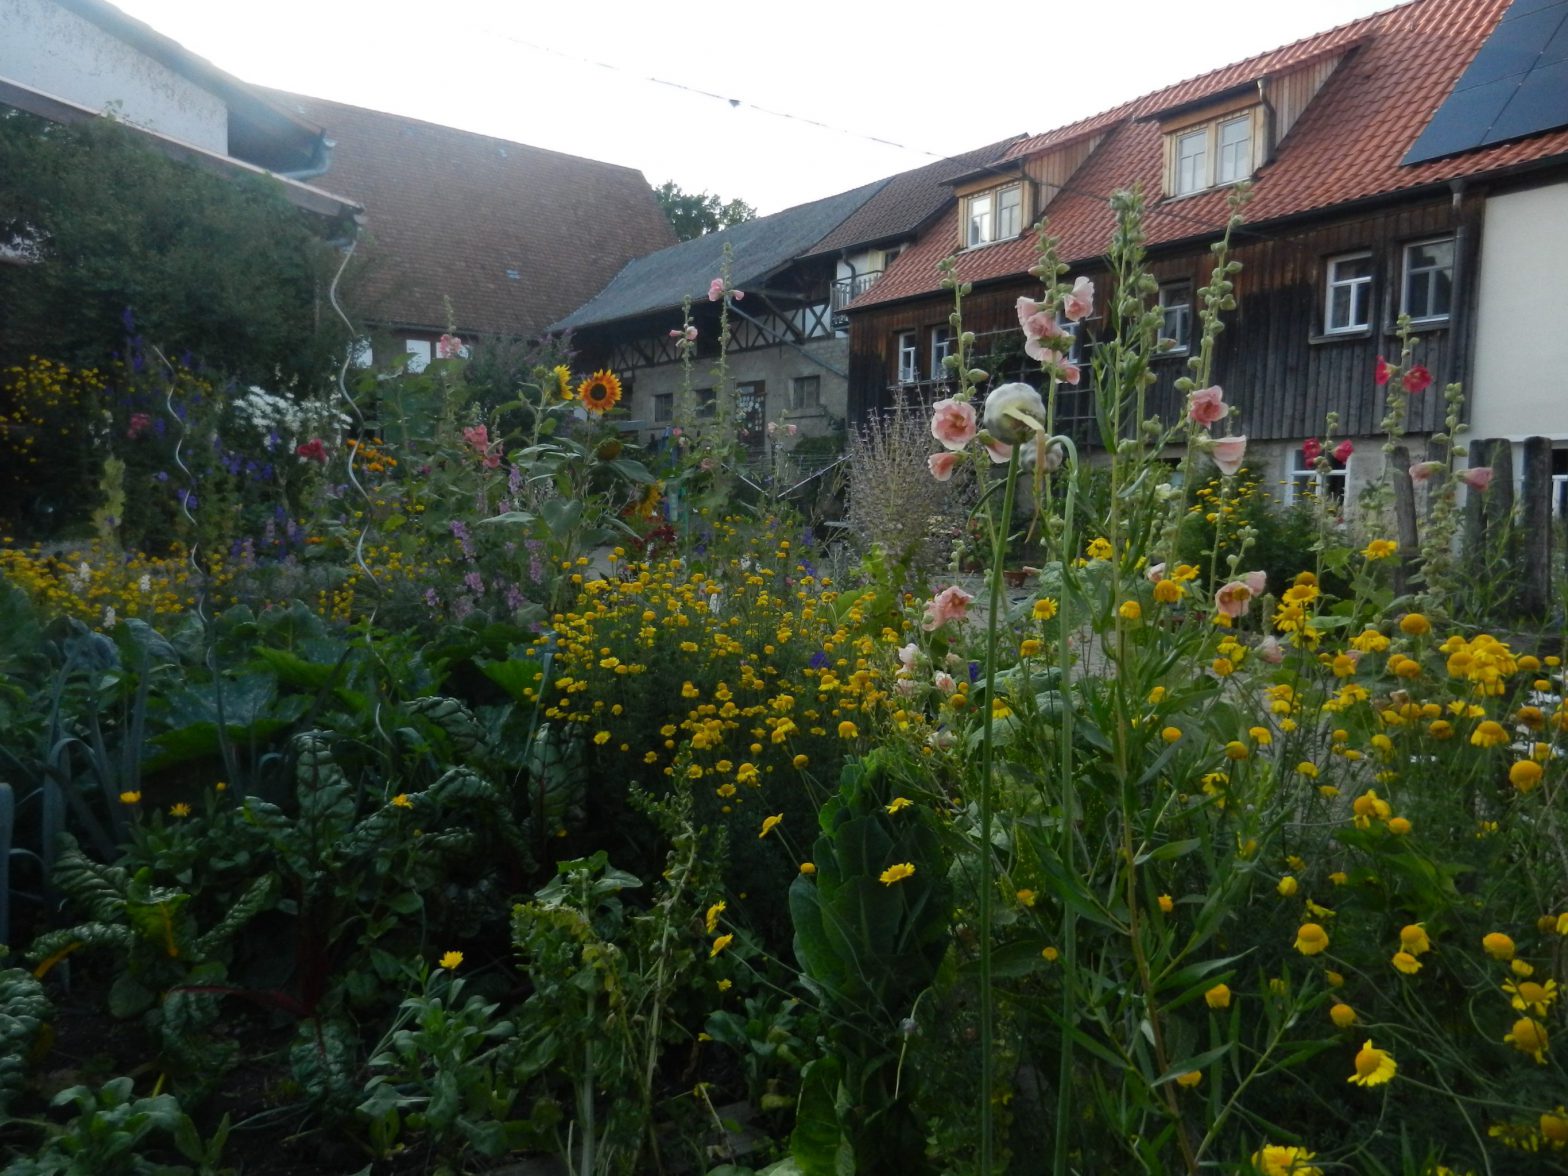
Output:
x,y
1184,339
906,351
991,201
1208,168
1406,272
1332,284
941,348
663,408
1331,486
799,403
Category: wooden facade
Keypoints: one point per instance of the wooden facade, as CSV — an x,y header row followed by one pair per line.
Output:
x,y
1273,359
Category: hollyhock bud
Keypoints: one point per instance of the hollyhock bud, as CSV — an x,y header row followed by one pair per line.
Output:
x,y
1380,372
1003,407
942,464
1424,470
1476,477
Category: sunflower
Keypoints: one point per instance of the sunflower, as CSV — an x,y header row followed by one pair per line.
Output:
x,y
563,380
600,392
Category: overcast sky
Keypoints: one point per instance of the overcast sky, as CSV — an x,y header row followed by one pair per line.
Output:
x,y
935,79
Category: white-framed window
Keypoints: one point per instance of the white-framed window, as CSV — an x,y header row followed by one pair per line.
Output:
x,y
941,348
1305,480
994,216
1234,141
1347,304
805,392
1211,154
1427,292
1176,315
908,357
663,407
420,353
889,256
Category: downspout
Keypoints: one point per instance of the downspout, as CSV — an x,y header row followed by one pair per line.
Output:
x,y
1461,324
1269,119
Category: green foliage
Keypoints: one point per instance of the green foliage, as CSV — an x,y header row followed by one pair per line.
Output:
x,y
695,214
24,1008
113,1132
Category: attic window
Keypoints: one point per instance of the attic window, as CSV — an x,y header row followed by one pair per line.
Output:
x,y
1213,152
996,214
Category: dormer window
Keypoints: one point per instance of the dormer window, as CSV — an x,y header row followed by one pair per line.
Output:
x,y
1214,151
994,215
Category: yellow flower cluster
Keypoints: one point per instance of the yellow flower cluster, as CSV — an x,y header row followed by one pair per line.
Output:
x,y
40,403
99,587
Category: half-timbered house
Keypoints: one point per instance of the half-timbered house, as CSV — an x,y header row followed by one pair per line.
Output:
x,y
1414,162
787,358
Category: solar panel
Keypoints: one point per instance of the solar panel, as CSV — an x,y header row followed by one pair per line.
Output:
x,y
1517,85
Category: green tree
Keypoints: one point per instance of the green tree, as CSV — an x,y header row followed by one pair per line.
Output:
x,y
693,214
225,270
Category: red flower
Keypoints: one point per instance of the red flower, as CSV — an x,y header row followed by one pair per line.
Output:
x,y
1417,379
1343,450
140,423
313,450
1311,450
1380,372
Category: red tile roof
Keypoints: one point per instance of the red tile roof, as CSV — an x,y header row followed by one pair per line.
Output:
x,y
1346,146
514,236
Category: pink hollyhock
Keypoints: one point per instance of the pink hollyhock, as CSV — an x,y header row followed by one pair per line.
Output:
x,y
1155,573
943,681
1233,599
1311,450
942,464
1042,335
478,436
791,430
140,423
1424,470
449,347
715,289
688,335
1228,453
1417,379
1476,477
950,604
1343,450
909,655
1079,302
1000,451
738,294
1207,405
1380,372
1066,370
1271,651
313,450
953,422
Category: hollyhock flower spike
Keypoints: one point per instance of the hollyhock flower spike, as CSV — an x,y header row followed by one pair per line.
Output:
x,y
943,464
1206,406
1423,471
478,436
1079,302
1343,450
1380,373
1014,413
449,347
950,604
1417,379
953,422
1233,599
1228,453
1476,477
1311,450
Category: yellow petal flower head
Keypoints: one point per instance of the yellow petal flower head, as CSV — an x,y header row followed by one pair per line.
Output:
x,y
1498,946
1311,939
1412,937
1279,1160
563,381
1554,1126
1218,997
401,801
1342,1015
896,873
180,810
1406,963
899,803
1190,1079
1489,733
1528,1036
808,868
1373,1066
768,824
720,944
1531,996
130,797
600,392
1379,549
1287,886
1167,904
451,960
712,917
1525,775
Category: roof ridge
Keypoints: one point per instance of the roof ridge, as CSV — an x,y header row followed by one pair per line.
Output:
x,y
408,118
